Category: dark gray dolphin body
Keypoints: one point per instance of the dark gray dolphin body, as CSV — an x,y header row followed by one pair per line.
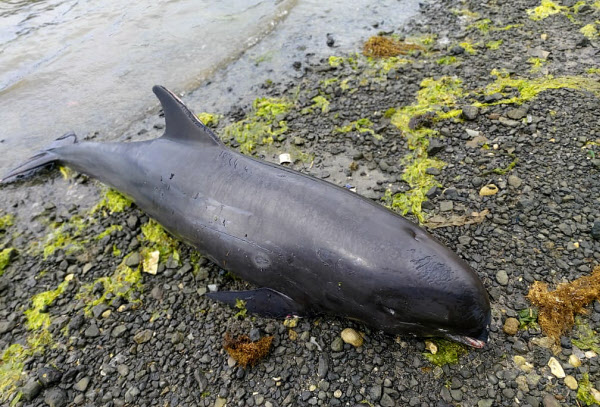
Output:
x,y
313,247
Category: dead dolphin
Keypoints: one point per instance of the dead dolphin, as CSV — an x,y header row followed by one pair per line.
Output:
x,y
311,246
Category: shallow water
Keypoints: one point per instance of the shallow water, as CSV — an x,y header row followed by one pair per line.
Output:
x,y
89,66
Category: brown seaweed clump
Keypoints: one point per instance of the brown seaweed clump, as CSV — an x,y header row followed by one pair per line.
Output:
x,y
383,47
246,352
557,308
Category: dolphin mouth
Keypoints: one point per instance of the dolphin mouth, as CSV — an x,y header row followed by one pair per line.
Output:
x,y
467,340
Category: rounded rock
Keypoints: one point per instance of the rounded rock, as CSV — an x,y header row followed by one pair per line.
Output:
x,y
352,337
511,326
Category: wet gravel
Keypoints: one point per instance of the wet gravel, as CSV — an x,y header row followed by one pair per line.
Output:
x,y
543,224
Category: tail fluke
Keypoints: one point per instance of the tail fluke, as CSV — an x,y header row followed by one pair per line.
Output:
x,y
41,160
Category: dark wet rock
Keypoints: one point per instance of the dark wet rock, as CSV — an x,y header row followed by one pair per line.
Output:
x,y
470,112
82,384
143,336
517,114
133,260
435,146
97,310
31,389
55,397
119,331
49,376
92,331
323,365
595,231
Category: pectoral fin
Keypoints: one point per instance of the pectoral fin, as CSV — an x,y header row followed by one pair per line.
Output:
x,y
263,301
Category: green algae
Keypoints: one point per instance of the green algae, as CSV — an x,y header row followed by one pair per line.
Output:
x,y
528,318
584,391
593,71
108,231
590,31
319,103
6,221
37,316
507,27
363,125
113,201
209,119
546,9
494,45
6,257
433,99
465,12
447,353
447,60
66,236
260,126
240,305
13,359
536,64
483,25
468,47
529,88
124,283
156,238
588,339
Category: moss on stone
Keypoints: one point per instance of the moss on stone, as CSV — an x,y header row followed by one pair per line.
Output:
x,y
66,236
447,60
156,238
260,126
590,31
6,257
447,353
587,338
37,316
493,45
363,125
209,119
113,201
124,282
320,103
546,9
108,231
529,88
6,221
584,391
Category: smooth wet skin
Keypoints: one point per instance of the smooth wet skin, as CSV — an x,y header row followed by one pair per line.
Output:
x,y
313,246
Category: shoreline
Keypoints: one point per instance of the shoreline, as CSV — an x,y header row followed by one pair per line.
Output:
x,y
492,96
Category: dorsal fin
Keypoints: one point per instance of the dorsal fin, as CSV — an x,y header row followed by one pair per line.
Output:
x,y
180,123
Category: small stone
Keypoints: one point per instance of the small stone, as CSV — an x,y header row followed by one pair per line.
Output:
x,y
31,389
337,394
150,263
446,206
123,370
590,354
433,171
550,401
502,277
386,401
574,361
49,376
133,260
488,190
82,384
299,141
517,113
470,112
337,345
106,314
511,326
571,382
143,336
131,394
508,122
220,402
514,181
485,403
434,147
556,368
132,221
56,397
118,331
97,310
352,337
431,347
596,230
92,331
322,366
375,392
